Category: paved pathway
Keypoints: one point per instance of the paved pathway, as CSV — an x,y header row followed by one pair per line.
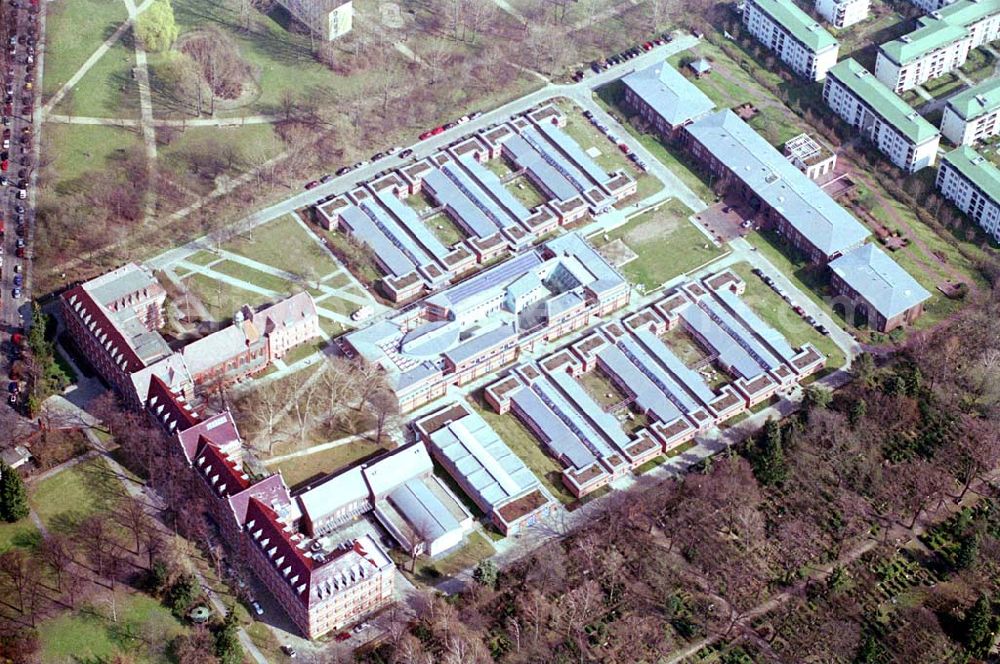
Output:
x,y
145,111
237,121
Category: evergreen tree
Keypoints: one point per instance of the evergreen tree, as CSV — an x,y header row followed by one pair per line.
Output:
x,y
869,652
768,456
817,397
486,573
968,552
227,641
13,495
857,412
979,628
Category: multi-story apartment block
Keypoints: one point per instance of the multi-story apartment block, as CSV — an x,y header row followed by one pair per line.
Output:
x,y
939,45
843,13
897,130
783,196
971,115
801,43
664,98
972,183
327,19
931,5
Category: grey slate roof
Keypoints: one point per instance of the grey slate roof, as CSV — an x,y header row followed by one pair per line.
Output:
x,y
647,394
411,220
448,193
473,346
558,436
786,189
673,97
394,260
691,379
489,180
730,353
880,280
527,157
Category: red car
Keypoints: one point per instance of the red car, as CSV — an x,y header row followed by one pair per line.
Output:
x,y
343,636
4,165
427,134
648,46
623,148
312,185
437,130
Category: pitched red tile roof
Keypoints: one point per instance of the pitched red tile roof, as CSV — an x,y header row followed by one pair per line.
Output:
x,y
289,561
224,478
79,301
168,407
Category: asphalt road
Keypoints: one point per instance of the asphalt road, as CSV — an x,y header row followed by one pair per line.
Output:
x,y
21,160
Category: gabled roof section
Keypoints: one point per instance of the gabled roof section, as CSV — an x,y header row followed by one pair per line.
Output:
x,y
673,97
809,209
879,280
274,539
270,491
96,319
219,429
883,101
220,472
169,408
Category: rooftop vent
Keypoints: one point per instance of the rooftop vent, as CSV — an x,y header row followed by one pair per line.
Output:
x,y
906,39
981,99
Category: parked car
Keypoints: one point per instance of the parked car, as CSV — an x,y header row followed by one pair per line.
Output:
x,y
312,184
257,608
326,178
343,636
16,293
289,651
405,154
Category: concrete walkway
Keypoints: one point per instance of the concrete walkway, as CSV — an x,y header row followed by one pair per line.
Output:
x,y
238,121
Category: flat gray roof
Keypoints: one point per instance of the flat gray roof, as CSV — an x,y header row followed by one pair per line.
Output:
x,y
528,158
557,435
730,353
449,195
691,379
388,254
489,180
647,394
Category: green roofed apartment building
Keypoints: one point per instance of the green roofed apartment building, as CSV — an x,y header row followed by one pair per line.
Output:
x,y
972,183
897,130
972,115
940,44
801,43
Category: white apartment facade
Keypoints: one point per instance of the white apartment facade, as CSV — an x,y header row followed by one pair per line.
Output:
x,y
972,183
939,45
794,36
972,115
929,6
909,141
843,13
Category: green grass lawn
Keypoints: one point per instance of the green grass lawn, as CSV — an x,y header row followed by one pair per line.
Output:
x,y
252,276
75,150
339,305
238,149
74,29
284,244
444,229
221,300
202,257
684,346
775,311
666,244
303,351
302,468
21,534
528,448
655,462
108,89
72,495
599,387
475,549
89,634
499,167
526,192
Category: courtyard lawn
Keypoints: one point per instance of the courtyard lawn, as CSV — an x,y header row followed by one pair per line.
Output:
x,y
300,469
284,244
89,634
74,30
305,350
253,276
666,245
203,257
444,229
527,193
655,462
684,346
107,90
778,314
338,305
599,387
528,448
221,300
68,497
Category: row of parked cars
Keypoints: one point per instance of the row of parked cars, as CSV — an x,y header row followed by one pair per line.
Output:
x,y
613,137
797,308
403,153
598,66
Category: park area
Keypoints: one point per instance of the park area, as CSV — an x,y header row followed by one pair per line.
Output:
x,y
656,246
